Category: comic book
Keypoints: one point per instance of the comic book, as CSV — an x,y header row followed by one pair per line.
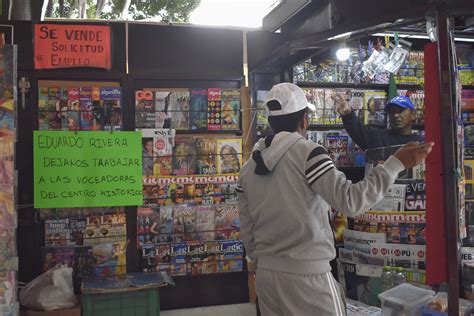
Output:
x,y
205,222
229,155
163,257
214,107
165,228
375,103
227,222
77,228
417,97
178,252
195,254
7,204
144,109
230,110
415,195
184,156
206,151
8,292
178,109
112,98
198,109
394,199
56,232
317,98
262,113
337,147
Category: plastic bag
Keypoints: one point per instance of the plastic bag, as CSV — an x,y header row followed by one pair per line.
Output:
x,y
50,291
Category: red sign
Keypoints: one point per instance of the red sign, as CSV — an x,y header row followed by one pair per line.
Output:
x,y
70,46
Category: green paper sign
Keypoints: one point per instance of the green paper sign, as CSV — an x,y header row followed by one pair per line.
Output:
x,y
87,169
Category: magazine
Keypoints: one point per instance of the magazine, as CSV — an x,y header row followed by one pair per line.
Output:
x,y
330,115
144,109
212,255
214,105
178,259
375,103
163,257
9,290
166,224
112,105
195,254
206,151
227,222
92,234
7,204
262,113
415,195
178,109
184,156
229,155
147,225
110,259
357,102
317,98
77,228
205,222
162,114
394,199
406,256
56,232
230,111
337,147
198,109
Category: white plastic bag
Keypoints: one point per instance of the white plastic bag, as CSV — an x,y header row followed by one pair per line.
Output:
x,y
50,291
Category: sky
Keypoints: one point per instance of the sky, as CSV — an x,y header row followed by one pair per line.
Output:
x,y
240,13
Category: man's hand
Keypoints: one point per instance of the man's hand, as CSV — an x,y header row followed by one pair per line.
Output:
x,y
340,104
413,154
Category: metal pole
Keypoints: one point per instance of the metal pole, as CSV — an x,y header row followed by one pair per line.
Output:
x,y
449,136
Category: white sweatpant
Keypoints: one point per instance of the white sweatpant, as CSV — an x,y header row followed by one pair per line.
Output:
x,y
282,293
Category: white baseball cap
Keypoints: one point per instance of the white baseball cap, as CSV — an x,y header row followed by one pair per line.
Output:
x,y
290,99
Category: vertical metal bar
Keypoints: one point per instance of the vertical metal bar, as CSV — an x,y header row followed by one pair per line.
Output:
x,y
449,136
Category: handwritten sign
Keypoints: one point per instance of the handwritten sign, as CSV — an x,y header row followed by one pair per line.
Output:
x,y
70,46
87,169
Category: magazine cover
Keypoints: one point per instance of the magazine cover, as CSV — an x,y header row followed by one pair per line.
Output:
x,y
415,194
178,259
205,222
110,259
262,113
230,111
317,98
195,254
7,289
149,259
330,115
163,257
162,115
211,258
337,147
198,109
7,205
375,103
206,151
64,256
214,106
92,234
394,199
83,264
417,97
357,102
163,141
147,225
56,232
166,224
77,228
147,155
178,109
227,222
144,109
229,155
112,104
184,156
401,255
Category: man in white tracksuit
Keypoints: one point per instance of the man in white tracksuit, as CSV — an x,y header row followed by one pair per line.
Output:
x,y
285,192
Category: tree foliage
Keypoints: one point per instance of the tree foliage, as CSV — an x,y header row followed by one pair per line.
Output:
x,y
161,10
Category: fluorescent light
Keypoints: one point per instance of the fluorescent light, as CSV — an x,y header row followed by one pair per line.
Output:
x,y
340,36
458,39
343,53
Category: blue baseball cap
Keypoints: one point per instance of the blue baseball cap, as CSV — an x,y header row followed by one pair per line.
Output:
x,y
400,101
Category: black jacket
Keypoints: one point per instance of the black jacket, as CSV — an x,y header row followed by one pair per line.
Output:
x,y
367,137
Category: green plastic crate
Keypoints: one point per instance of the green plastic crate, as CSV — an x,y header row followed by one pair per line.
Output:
x,y
129,303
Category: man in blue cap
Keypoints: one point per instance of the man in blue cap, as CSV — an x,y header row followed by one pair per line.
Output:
x,y
401,113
